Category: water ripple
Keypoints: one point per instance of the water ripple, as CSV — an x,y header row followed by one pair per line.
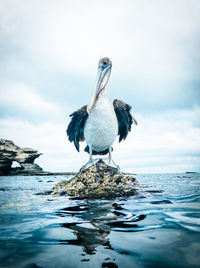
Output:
x,y
188,220
160,225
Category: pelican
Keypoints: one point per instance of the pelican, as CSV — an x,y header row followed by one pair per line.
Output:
x,y
102,121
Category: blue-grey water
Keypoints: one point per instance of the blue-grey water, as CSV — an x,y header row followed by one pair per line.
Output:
x,y
158,227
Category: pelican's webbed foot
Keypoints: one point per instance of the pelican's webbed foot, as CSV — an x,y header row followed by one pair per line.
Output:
x,y
89,163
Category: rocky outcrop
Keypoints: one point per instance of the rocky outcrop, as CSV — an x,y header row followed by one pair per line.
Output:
x,y
98,181
10,152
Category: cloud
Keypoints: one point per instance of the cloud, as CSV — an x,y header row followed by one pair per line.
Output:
x,y
49,138
155,145
153,45
158,144
49,62
23,98
150,38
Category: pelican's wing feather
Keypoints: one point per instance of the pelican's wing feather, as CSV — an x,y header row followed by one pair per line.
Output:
x,y
124,118
75,129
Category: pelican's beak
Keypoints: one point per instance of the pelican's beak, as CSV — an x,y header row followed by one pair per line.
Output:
x,y
102,79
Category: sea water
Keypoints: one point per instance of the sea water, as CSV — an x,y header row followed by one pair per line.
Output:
x,y
158,227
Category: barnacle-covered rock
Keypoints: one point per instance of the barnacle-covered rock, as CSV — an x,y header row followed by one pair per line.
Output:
x,y
98,181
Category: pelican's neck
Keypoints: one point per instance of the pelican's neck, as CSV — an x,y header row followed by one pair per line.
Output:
x,y
102,101
102,94
96,98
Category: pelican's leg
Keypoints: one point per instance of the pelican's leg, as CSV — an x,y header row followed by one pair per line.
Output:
x,y
110,156
110,160
91,161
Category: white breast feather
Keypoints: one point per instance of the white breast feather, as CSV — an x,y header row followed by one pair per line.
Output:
x,y
101,127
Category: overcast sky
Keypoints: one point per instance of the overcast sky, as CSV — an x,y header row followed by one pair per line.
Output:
x,y
49,51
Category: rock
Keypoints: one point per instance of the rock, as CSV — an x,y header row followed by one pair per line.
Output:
x,y
10,152
98,181
27,169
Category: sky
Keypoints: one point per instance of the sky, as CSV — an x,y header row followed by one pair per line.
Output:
x,y
49,51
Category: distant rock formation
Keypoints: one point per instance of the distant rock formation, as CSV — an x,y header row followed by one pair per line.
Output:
x,y
10,152
98,181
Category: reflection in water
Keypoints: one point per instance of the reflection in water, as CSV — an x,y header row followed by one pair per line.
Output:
x,y
88,238
97,220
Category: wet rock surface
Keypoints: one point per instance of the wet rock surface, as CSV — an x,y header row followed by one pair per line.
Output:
x,y
98,181
10,152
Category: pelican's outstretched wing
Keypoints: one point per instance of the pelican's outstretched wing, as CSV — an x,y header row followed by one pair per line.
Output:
x,y
75,130
124,118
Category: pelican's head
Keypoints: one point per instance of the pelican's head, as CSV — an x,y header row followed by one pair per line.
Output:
x,y
104,70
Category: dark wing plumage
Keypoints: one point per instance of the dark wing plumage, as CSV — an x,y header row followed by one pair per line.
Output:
x,y
124,118
75,130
